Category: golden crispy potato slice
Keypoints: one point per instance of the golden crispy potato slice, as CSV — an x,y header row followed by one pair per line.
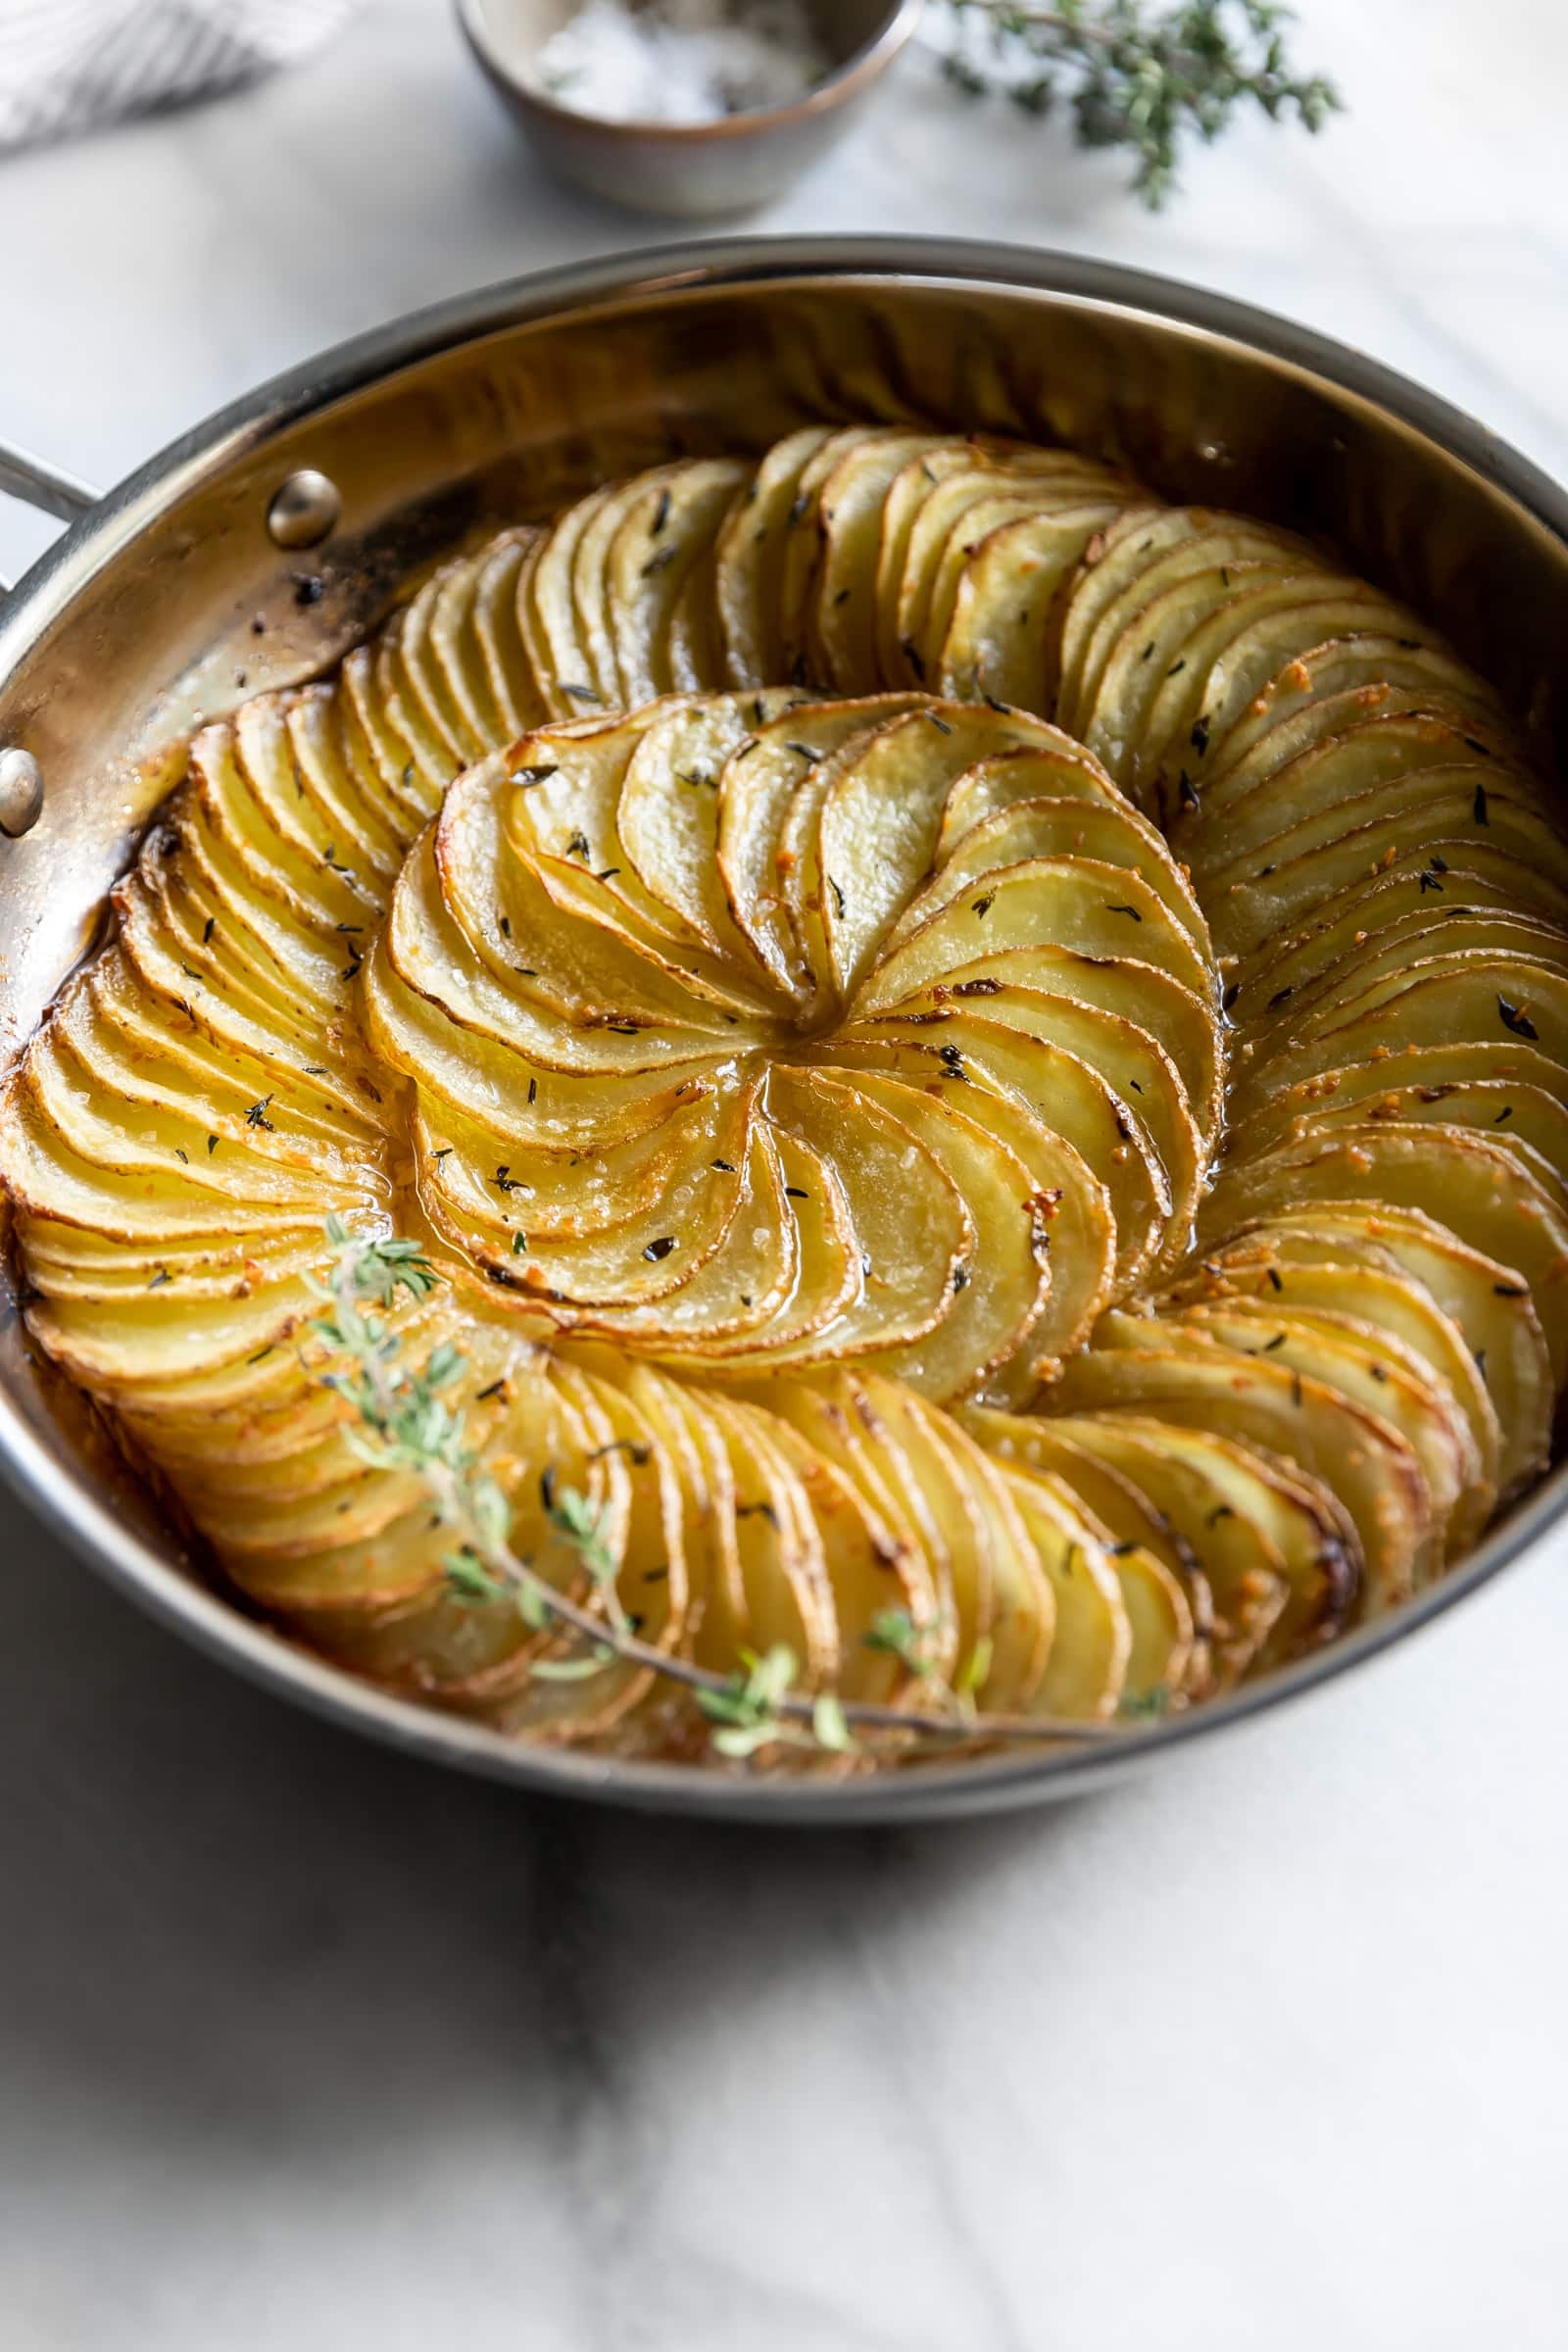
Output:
x,y
748,560
996,1156
1168,1598
1000,636
1525,1121
1054,768
1453,939
1247,903
963,510
909,1218
785,1591
78,1098
1170,1374
1485,1300
1060,1091
1379,757
508,673
159,1032
572,680
1384,908
1362,739
483,1190
868,1569
326,758
411,776
151,1097
1484,1197
561,927
842,617
1338,685
930,524
264,747
1001,1596
828,1281
1072,904
446,660
799,580
563,800
741,1287
1142,710
1107,835
665,535
836,1419
1130,1059
587,1004
653,1573
1092,1638
1461,998
1276,1546
46,1177
880,819
1367,1292
637,1271
667,818
1383,1373
1144,551
462,1072
755,793
922,472
403,714
681,1431
1491,1085
1237,658
281,851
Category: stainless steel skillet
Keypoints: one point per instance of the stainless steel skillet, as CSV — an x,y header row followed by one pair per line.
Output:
x,y
216,570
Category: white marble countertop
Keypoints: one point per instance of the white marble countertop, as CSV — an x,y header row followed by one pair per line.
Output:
x,y
305,2045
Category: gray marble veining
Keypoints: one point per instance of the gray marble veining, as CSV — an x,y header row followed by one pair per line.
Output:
x,y
301,2044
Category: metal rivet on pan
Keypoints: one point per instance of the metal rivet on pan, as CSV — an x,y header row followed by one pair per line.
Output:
x,y
304,510
21,793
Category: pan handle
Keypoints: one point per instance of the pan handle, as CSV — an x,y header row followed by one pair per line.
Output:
x,y
63,496
42,487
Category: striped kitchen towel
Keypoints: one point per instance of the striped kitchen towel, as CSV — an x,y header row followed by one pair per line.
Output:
x,y
66,64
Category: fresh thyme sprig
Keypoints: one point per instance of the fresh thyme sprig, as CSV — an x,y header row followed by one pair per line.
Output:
x,y
1135,75
404,1422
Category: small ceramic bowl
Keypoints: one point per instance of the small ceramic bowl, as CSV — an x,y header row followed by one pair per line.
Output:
x,y
691,171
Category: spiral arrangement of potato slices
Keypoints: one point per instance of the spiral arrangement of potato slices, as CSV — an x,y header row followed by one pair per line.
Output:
x,y
784,938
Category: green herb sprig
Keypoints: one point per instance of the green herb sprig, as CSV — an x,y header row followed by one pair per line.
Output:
x,y
404,1421
1137,76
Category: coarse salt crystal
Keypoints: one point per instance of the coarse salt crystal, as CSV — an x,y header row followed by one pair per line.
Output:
x,y
681,60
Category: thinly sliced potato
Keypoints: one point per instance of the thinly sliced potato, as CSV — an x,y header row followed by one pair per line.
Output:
x,y
1092,1643
755,793
999,1291
908,1216
1383,908
1060,828
1484,1300
1338,685
1367,1292
1483,1197
1072,904
1249,901
1276,1546
1062,1092
1000,639
664,537
1138,1365
1132,1062
748,560
1463,999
